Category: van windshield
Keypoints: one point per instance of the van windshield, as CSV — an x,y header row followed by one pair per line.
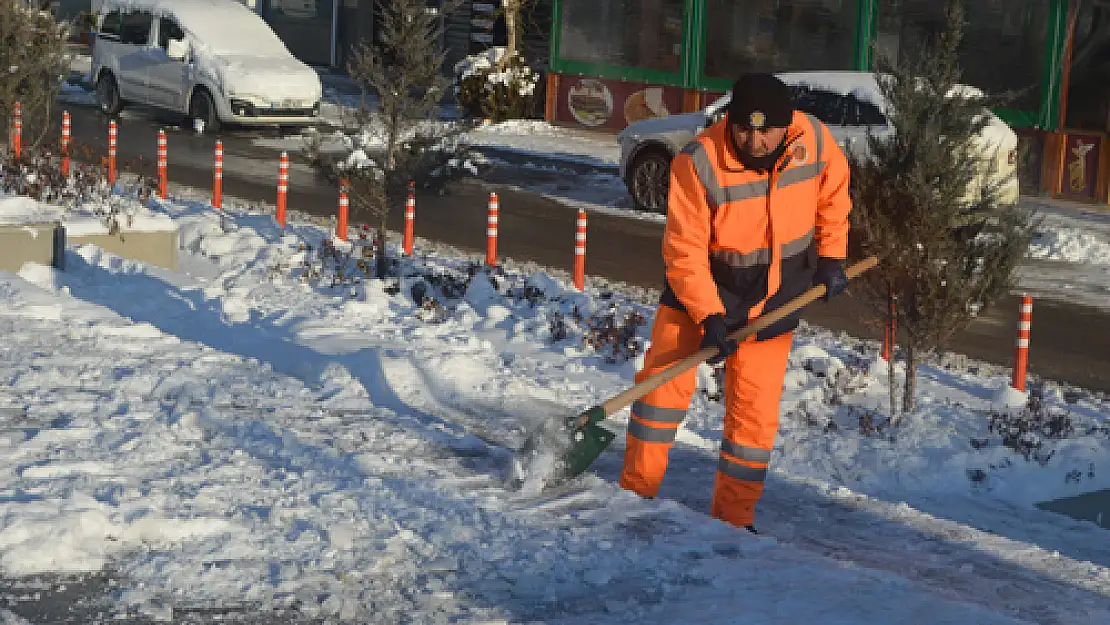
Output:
x,y
232,31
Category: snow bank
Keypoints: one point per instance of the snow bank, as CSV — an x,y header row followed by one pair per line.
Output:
x,y
1072,246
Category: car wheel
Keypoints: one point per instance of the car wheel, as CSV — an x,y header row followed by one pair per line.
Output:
x,y
107,94
202,108
649,181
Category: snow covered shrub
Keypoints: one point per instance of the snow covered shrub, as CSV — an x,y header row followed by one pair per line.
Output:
x,y
616,340
33,55
337,266
1026,431
496,86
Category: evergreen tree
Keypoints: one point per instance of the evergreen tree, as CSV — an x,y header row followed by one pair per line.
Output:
x,y
927,203
403,133
33,58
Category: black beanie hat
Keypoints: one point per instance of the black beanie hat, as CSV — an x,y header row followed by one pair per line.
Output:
x,y
760,101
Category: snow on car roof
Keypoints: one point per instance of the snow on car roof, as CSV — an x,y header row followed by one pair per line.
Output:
x,y
222,25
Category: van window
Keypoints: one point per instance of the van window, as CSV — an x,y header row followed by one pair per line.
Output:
x,y
110,28
168,29
135,29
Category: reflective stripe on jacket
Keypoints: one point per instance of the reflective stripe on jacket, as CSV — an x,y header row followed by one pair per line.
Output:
x,y
741,242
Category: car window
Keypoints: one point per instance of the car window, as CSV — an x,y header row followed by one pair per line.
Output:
x,y
168,29
110,27
836,109
135,28
826,106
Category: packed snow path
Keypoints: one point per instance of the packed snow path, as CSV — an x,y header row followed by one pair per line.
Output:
x,y
248,441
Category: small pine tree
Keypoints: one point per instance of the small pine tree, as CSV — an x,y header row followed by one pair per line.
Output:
x,y
928,205
33,58
403,135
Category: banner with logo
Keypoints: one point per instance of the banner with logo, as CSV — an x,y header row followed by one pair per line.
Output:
x,y
1082,154
612,104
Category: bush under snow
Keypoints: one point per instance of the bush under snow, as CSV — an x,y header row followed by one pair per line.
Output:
x,y
496,86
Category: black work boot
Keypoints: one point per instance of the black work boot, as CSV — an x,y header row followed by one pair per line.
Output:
x,y
751,529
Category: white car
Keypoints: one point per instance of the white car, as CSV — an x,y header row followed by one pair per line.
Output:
x,y
849,103
215,61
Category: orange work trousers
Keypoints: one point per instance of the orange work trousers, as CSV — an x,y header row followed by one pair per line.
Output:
x,y
753,388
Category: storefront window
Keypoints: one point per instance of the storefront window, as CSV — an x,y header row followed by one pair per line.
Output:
x,y
644,34
778,35
1088,102
1003,46
306,27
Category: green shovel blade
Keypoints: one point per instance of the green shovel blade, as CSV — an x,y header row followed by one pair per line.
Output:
x,y
587,444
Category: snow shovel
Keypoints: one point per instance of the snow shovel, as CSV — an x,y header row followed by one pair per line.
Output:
x,y
587,439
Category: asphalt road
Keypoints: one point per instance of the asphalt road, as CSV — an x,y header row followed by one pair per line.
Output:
x,y
1068,343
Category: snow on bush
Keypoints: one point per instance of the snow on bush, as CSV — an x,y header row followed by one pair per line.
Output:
x,y
496,86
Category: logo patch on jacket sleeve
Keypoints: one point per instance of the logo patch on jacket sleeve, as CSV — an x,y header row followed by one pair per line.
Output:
x,y
799,154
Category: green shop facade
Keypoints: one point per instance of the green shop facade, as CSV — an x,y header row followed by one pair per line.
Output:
x,y
613,62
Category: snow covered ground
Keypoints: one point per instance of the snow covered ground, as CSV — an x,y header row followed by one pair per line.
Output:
x,y
239,432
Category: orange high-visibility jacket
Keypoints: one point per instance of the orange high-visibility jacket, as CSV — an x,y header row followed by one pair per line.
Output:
x,y
741,242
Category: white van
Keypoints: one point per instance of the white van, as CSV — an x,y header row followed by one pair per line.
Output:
x,y
215,61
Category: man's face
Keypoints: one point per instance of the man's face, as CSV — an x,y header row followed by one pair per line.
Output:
x,y
757,142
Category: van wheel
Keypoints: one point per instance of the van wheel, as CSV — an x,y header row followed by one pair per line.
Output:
x,y
649,181
203,108
107,95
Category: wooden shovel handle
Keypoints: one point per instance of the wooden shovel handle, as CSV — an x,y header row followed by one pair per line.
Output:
x,y
682,366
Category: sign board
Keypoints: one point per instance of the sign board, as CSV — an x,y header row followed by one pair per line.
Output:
x,y
612,104
1082,154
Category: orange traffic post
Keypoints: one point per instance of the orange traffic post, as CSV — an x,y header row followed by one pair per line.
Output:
x,y
218,176
113,137
580,251
1021,357
889,336
344,204
66,132
491,230
162,158
283,187
17,130
410,219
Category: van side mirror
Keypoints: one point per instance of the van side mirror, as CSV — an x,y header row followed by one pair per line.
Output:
x,y
176,49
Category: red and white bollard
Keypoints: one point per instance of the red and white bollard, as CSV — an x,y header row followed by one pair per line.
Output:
x,y
344,204
1021,356
162,158
218,176
283,188
580,251
889,336
410,219
113,136
17,130
66,131
491,230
